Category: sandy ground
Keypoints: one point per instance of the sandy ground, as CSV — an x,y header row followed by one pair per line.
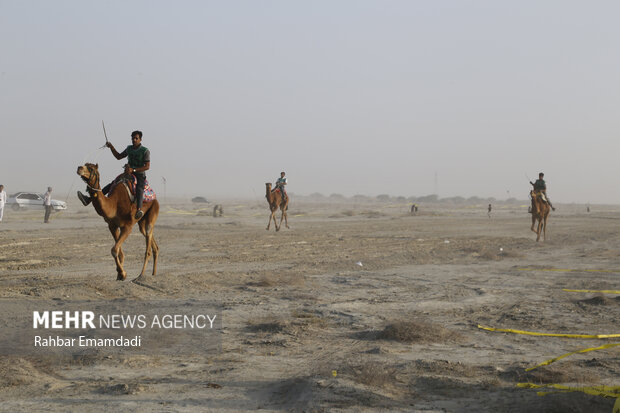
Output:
x,y
306,328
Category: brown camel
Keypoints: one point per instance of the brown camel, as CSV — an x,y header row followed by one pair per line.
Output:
x,y
540,212
118,211
275,202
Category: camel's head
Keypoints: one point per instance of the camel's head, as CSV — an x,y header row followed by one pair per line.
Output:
x,y
268,185
89,174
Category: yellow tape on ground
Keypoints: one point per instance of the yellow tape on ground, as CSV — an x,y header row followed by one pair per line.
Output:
x,y
585,350
532,333
605,391
565,270
179,212
592,291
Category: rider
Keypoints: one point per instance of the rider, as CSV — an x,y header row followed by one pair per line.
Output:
x,y
139,161
541,186
280,183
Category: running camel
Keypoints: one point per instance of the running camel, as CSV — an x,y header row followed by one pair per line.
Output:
x,y
119,213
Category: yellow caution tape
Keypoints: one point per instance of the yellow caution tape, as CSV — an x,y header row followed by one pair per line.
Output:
x,y
592,291
180,212
605,391
532,333
565,270
585,350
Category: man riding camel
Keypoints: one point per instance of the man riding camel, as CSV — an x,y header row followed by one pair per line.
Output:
x,y
541,187
138,162
280,183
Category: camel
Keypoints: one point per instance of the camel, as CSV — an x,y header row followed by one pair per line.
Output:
x,y
118,211
275,201
540,212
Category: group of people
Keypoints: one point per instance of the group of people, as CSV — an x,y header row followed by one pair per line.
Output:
x,y
47,203
138,162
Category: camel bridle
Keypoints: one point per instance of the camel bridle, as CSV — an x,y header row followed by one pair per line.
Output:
x,y
93,180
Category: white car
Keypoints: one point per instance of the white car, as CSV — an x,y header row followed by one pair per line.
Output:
x,y
32,200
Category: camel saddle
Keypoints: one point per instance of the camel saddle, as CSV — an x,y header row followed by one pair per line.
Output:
x,y
130,183
542,196
278,190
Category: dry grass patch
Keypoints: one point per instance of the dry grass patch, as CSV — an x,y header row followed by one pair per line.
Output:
x,y
373,214
489,254
566,374
417,331
273,280
372,373
600,299
269,324
512,254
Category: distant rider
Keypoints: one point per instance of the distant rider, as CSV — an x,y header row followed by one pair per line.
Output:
x,y
280,184
541,187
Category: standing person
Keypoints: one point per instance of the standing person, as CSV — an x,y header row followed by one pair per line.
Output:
x,y
541,186
489,211
47,201
280,183
2,201
138,162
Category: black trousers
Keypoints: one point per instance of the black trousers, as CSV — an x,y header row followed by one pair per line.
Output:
x,y
140,189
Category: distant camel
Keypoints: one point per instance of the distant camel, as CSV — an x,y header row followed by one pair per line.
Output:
x,y
118,211
540,212
275,201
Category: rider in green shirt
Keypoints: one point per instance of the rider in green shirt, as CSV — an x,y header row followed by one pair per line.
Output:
x,y
541,186
138,162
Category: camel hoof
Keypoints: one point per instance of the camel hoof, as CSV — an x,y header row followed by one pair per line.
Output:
x,y
121,277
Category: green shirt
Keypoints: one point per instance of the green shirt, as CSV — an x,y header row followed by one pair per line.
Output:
x,y
540,185
137,157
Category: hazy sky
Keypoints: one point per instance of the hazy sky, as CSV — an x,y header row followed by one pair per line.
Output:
x,y
350,97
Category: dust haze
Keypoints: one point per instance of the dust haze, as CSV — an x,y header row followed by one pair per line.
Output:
x,y
353,98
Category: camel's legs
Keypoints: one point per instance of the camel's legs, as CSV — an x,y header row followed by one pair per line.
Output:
x,y
116,251
272,216
115,234
121,255
147,231
155,248
283,217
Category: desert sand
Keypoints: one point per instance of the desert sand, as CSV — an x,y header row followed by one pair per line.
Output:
x,y
359,306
